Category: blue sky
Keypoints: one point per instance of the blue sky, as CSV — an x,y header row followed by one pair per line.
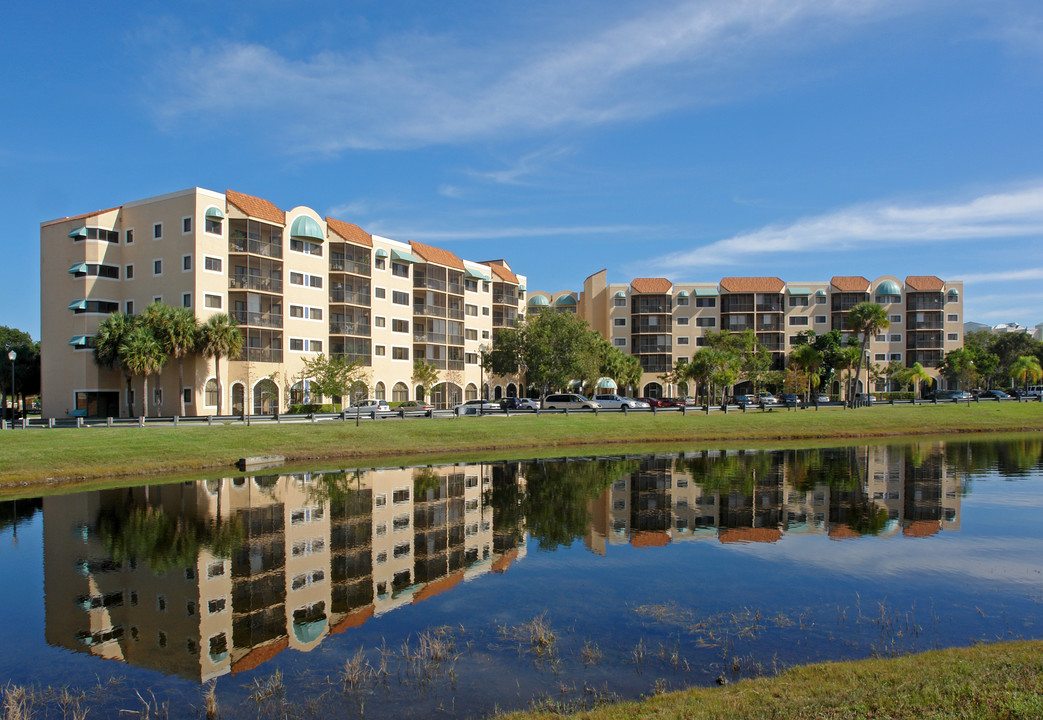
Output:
x,y
691,140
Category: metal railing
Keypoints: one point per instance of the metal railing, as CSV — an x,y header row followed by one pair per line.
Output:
x,y
254,247
255,282
346,328
258,319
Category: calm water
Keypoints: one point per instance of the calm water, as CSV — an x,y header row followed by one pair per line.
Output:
x,y
459,590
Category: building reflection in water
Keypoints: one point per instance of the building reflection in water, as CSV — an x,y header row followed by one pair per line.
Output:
x,y
201,579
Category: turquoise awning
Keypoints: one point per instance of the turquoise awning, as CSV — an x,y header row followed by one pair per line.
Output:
x,y
538,301
214,212
621,294
820,293
565,301
704,292
606,383
682,294
380,253
78,305
80,413
80,232
309,632
954,293
78,268
888,287
800,291
305,227
475,275
403,256
79,341
521,288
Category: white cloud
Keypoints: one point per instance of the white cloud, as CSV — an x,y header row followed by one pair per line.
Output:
x,y
1005,276
497,233
424,90
1017,213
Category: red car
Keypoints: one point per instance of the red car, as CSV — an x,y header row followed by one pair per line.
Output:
x,y
671,402
654,402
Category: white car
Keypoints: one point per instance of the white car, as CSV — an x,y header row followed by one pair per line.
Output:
x,y
471,407
610,402
820,399
569,401
370,405
766,398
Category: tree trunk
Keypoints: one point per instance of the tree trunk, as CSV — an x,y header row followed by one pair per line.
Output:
x,y
181,385
144,395
217,373
130,404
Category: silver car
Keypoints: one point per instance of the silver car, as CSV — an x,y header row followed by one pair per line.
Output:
x,y
610,402
569,401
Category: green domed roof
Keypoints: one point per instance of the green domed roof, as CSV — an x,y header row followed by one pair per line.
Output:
x,y
888,287
538,301
305,227
565,301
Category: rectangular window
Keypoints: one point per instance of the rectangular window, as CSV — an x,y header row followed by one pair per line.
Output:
x,y
896,338
379,321
471,358
682,341
379,292
470,334
619,342
485,334
895,319
186,263
705,302
471,310
682,301
471,285
619,322
798,301
296,278
401,326
129,272
880,357
485,286
186,225
297,311
706,322
400,496
881,338
620,302
157,397
315,346
798,320
130,307
297,344
896,356
399,269
399,298
186,300
188,396
399,353
820,299
212,226
315,281
379,350
212,264
157,268
953,336
820,319
157,231
130,237
952,318
682,321
485,310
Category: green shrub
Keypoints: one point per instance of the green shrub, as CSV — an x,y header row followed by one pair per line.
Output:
x,y
311,408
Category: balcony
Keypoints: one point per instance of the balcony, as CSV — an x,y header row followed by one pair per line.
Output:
x,y
421,281
238,244
455,288
505,298
920,302
455,365
429,337
655,364
349,266
350,298
651,349
436,362
258,319
255,282
926,324
424,310
350,328
769,307
273,355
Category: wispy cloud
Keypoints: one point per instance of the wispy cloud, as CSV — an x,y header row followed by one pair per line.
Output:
x,y
1005,276
429,90
500,233
525,166
1017,213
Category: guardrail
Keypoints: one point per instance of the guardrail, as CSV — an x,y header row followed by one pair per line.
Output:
x,y
351,414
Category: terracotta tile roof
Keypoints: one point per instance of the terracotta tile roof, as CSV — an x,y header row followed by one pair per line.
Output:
x,y
437,255
752,284
750,535
351,233
352,620
650,538
259,655
921,528
256,207
842,531
438,587
79,217
926,283
503,562
503,273
850,283
655,286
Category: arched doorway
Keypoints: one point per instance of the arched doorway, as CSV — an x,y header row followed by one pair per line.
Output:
x,y
653,390
446,395
238,399
471,392
266,397
379,391
498,393
512,390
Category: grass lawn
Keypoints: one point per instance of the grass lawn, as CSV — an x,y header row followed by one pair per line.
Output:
x,y
1004,680
41,456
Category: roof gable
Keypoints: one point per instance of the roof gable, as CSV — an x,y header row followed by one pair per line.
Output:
x,y
503,273
850,283
656,286
436,255
256,207
752,284
351,233
924,283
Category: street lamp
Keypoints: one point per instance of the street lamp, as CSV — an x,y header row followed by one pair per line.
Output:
x,y
481,377
11,356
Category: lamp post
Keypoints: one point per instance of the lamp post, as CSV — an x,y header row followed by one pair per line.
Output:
x,y
481,377
12,355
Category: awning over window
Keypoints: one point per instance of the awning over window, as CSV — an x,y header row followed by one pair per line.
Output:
x,y
801,291
79,341
214,212
305,227
682,294
78,305
380,253
309,632
475,275
521,288
565,301
621,294
888,287
78,268
820,293
704,292
538,301
403,256
80,232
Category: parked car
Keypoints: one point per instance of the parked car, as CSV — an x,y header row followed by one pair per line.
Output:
x,y
413,405
569,401
952,395
617,401
820,399
519,404
789,399
671,402
766,398
651,402
994,394
862,397
472,406
744,400
370,405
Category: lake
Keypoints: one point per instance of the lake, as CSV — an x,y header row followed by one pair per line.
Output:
x,y
462,590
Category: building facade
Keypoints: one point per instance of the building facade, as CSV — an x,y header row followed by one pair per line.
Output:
x,y
298,283
661,322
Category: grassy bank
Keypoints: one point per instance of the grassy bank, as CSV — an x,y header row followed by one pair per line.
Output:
x,y
40,456
1004,680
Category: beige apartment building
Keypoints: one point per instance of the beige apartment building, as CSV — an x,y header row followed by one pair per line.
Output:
x,y
298,283
660,322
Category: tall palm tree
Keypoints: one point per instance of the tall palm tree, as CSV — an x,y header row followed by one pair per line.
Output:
x,y
809,360
916,375
180,337
220,336
111,333
866,319
1026,369
142,355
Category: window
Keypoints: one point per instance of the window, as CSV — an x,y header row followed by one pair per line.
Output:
x,y
798,301
471,359
619,322
130,307
215,606
306,247
470,334
186,225
895,319
380,263
953,336
401,326
186,300
820,319
400,496
706,322
157,231
682,341
682,300
820,299
188,396
471,310
212,226
682,321
881,338
157,397
399,269
157,268
128,272
880,357
620,302
379,350
212,301
798,319
380,501
296,344
157,298
896,338
315,281
952,318
314,313
471,285
296,278
130,237
485,334
700,341
210,393
896,356
315,346
705,302
485,310
485,286
297,311
379,321
399,353
379,292
619,342
212,264
399,298
186,263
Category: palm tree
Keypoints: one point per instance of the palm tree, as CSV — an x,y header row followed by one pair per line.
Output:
x,y
111,333
220,336
914,376
866,319
1026,369
180,337
807,359
142,355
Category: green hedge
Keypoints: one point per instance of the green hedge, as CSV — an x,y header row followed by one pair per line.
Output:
x,y
311,408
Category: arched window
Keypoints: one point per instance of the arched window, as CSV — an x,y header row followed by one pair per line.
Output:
x,y
471,392
379,392
210,393
512,390
266,397
400,393
497,393
419,393
297,393
653,390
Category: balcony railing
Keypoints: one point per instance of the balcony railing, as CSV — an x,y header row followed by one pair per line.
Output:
x,y
455,365
505,298
738,327
455,339
350,266
349,328
455,288
926,325
429,337
925,303
254,247
437,362
428,310
262,355
255,282
350,298
648,349
258,319
420,281
769,307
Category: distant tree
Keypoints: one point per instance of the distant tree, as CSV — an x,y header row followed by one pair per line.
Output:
x,y
1026,369
425,375
808,360
143,355
865,319
108,339
26,364
332,376
220,337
